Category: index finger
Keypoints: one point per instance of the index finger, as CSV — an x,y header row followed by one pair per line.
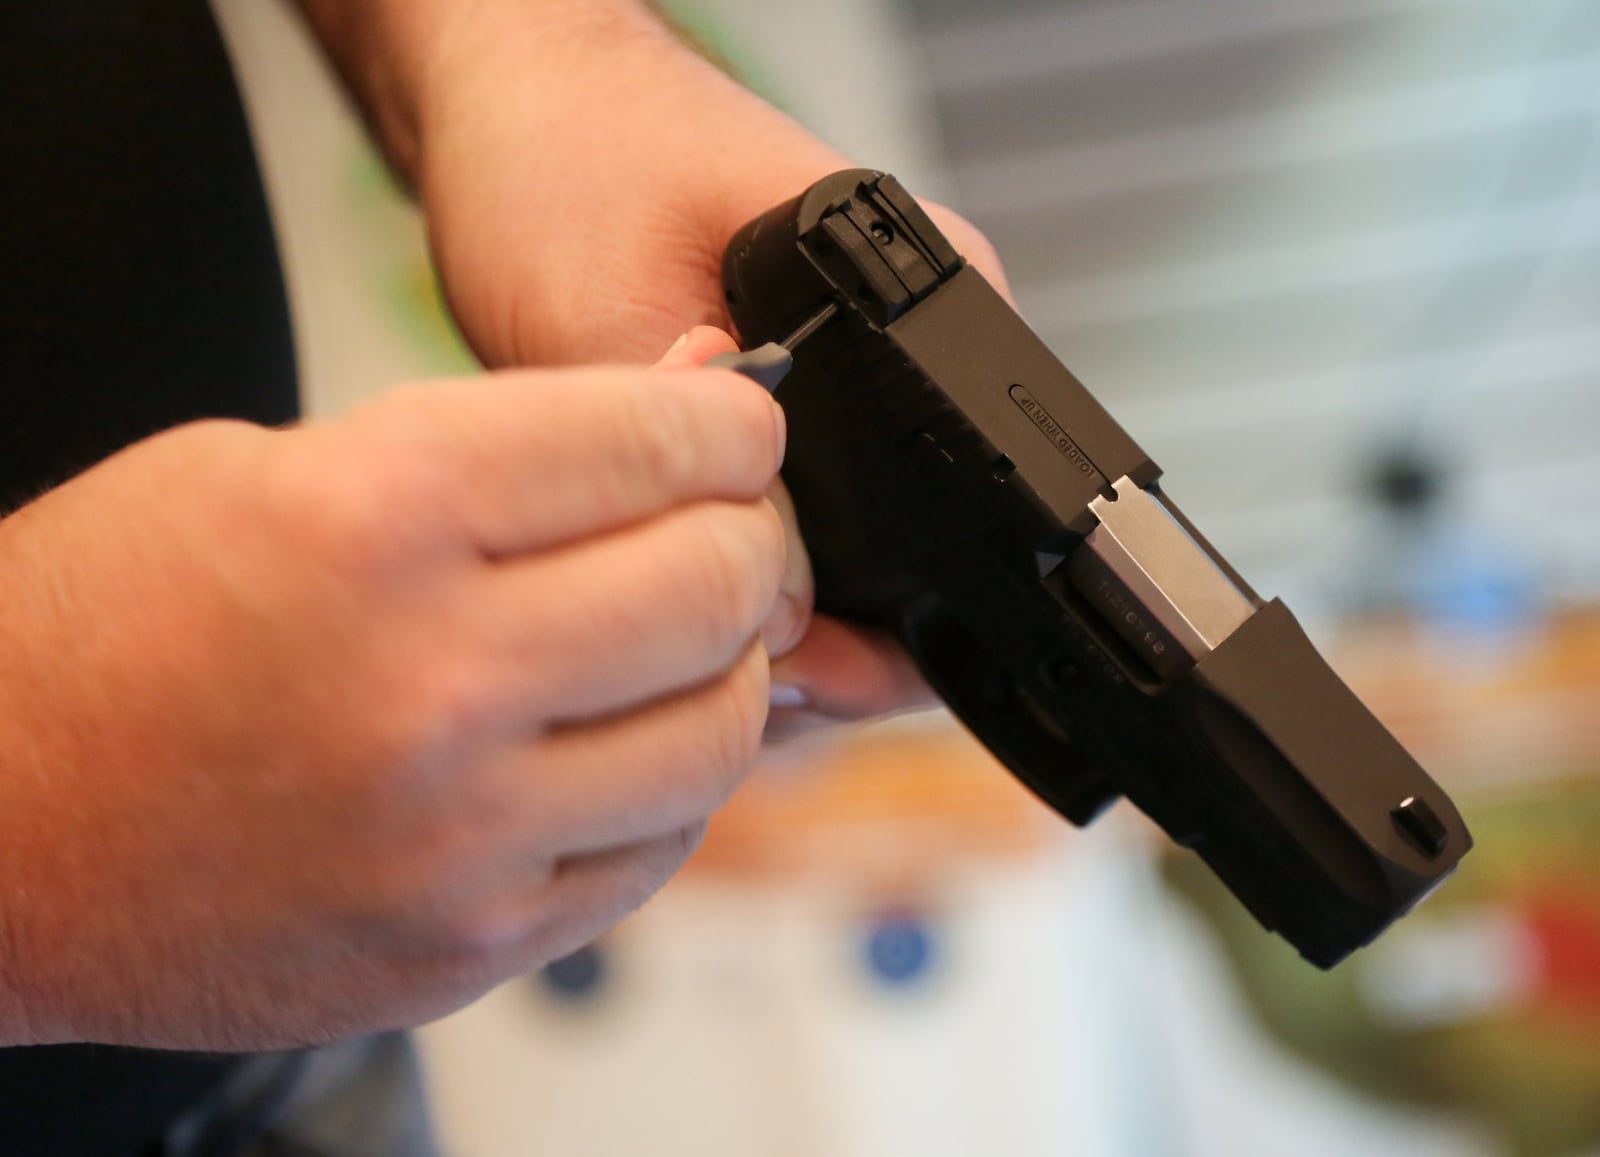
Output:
x,y
539,458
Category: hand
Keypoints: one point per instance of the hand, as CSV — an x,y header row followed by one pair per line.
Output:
x,y
824,671
581,172
314,733
582,176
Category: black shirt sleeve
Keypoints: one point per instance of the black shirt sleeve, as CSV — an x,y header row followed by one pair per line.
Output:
x,y
139,281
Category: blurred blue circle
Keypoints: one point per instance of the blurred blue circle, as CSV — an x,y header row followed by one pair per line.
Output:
x,y
577,977
900,950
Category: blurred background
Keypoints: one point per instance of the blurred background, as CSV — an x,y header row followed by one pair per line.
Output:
x,y
1337,266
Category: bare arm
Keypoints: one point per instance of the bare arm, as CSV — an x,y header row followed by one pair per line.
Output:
x,y
581,171
393,53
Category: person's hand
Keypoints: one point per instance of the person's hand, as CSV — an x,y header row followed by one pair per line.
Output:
x,y
579,198
823,671
316,732
580,184
581,172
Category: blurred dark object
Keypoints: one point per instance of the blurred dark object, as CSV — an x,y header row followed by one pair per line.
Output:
x,y
1406,481
577,978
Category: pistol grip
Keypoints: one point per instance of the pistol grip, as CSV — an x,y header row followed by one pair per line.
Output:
x,y
999,713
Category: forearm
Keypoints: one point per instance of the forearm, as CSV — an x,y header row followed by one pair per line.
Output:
x,y
401,58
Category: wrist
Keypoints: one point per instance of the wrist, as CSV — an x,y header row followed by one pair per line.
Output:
x,y
549,71
603,104
406,61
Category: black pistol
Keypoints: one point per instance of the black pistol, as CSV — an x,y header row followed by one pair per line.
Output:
x,y
956,485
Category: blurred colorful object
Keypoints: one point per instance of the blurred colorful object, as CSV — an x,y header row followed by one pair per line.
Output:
x,y
405,280
890,810
900,949
577,977
1486,1000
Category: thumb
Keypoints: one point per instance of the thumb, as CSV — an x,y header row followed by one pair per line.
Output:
x,y
791,614
695,348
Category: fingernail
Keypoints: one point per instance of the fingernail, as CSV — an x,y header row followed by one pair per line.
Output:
x,y
787,695
782,423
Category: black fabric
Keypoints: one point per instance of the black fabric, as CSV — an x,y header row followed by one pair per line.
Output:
x,y
139,288
139,284
94,1100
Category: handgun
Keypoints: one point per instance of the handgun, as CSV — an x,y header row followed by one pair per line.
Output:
x,y
956,485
